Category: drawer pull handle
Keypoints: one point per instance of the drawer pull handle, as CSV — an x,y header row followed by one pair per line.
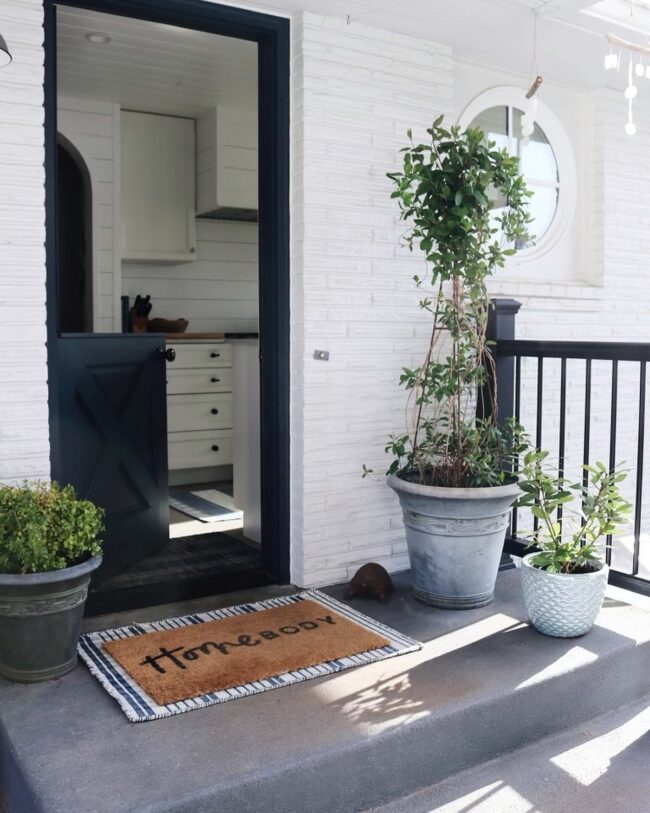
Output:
x,y
215,448
214,355
215,380
214,411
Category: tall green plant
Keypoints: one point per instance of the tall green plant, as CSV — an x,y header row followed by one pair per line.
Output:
x,y
444,192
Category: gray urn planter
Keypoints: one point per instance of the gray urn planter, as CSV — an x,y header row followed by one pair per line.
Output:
x,y
563,605
455,538
40,621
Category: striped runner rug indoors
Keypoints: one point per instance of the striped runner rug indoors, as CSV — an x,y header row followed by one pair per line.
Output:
x,y
167,667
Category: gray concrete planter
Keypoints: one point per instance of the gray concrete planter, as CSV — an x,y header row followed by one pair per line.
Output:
x,y
40,621
563,605
455,538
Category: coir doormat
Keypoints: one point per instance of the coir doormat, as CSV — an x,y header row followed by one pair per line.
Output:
x,y
167,667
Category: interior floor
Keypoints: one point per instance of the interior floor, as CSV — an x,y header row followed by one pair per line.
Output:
x,y
182,524
202,558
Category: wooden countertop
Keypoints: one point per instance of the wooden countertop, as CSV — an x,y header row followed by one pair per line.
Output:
x,y
181,337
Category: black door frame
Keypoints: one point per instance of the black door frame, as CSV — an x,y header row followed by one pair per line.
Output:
x,y
271,34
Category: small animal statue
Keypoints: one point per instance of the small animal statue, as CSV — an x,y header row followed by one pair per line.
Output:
x,y
370,581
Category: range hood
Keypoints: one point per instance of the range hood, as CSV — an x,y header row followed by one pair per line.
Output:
x,y
226,165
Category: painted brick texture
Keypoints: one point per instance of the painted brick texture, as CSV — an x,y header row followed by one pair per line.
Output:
x,y
356,92
24,445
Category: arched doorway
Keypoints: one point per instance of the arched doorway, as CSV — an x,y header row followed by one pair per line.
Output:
x,y
74,240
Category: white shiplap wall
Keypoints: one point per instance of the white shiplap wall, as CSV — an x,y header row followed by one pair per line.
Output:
x,y
218,292
93,128
24,447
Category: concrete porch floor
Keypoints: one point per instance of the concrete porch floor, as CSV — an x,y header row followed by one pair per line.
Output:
x,y
483,683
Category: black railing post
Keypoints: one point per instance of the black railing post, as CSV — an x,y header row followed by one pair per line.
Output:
x,y
501,375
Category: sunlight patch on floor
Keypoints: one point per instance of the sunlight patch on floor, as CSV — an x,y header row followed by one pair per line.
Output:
x,y
587,762
391,700
575,657
488,799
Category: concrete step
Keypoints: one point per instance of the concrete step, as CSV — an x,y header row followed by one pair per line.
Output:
x,y
483,683
599,767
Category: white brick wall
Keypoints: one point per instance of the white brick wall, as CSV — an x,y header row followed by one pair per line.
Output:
x,y
356,90
24,449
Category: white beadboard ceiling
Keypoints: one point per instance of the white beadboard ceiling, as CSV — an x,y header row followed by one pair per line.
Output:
x,y
153,67
164,69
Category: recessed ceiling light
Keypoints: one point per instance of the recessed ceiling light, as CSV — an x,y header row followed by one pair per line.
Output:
x,y
98,38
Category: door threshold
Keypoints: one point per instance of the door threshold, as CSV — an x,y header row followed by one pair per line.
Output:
x,y
133,598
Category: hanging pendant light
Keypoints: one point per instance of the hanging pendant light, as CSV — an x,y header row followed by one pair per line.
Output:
x,y
5,56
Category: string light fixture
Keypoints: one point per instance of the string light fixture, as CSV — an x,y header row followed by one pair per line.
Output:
x,y
638,67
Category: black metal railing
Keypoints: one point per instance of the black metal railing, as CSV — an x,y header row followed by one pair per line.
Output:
x,y
509,352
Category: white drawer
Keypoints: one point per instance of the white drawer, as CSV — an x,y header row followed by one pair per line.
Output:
x,y
193,450
187,382
186,413
210,354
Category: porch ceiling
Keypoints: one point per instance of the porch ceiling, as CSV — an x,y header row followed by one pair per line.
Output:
x,y
497,33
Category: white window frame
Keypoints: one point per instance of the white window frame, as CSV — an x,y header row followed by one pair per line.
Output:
x,y
509,97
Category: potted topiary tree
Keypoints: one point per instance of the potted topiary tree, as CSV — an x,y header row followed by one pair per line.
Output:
x,y
450,470
564,581
49,547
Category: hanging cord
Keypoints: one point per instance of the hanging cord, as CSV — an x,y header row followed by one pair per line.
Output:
x,y
535,78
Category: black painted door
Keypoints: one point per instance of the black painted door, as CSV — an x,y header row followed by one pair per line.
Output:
x,y
112,435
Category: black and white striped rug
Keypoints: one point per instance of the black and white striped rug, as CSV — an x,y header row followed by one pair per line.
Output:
x,y
138,706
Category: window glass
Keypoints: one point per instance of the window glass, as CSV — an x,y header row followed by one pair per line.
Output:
x,y
538,165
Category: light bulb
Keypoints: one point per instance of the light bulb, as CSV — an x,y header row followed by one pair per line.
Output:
x,y
611,62
527,129
631,91
639,70
630,128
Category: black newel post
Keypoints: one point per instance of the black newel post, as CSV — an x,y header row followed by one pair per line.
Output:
x,y
501,376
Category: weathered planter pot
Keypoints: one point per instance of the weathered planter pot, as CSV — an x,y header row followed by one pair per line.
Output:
x,y
40,621
563,605
455,538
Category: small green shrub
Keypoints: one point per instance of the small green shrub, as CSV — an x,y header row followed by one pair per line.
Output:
x,y
569,544
45,527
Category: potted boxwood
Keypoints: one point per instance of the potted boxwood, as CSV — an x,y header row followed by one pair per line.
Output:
x,y
467,206
49,547
564,581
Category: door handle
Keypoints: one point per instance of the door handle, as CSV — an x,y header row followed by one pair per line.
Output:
x,y
167,353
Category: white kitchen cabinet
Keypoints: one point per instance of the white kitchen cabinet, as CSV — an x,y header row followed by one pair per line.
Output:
x,y
246,449
199,406
226,162
158,188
